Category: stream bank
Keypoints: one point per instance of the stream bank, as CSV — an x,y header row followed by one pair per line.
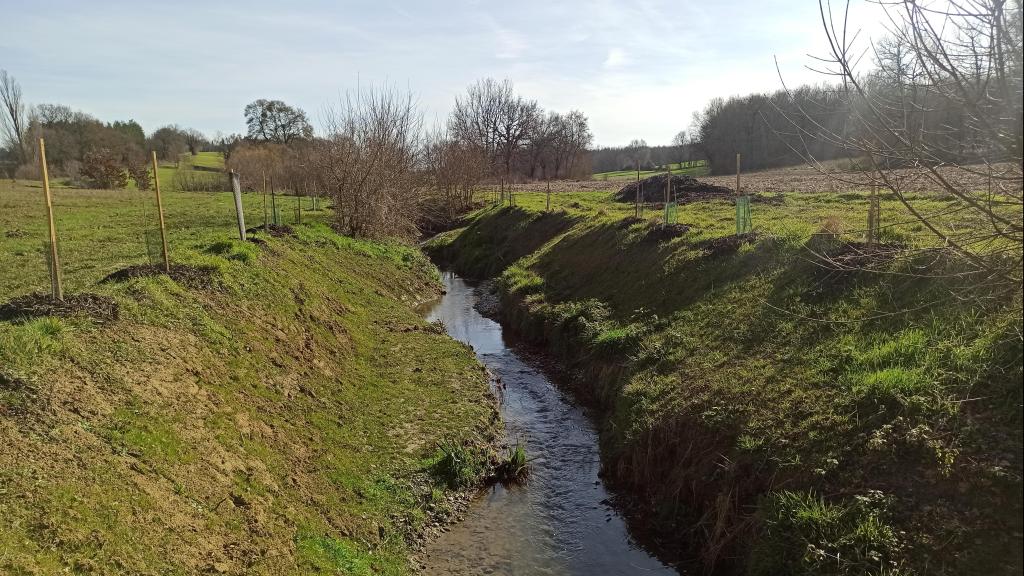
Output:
x,y
561,521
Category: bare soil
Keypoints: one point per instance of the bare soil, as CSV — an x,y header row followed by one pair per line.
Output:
x,y
189,276
37,305
790,179
808,179
275,230
684,189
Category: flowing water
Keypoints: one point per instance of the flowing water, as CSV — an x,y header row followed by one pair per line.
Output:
x,y
561,521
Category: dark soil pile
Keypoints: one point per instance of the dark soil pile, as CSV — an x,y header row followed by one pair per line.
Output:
x,y
726,244
684,189
275,230
189,276
37,305
662,233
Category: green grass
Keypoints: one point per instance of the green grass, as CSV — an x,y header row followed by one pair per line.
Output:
x,y
274,422
515,467
733,376
100,231
696,169
458,464
205,170
209,160
852,538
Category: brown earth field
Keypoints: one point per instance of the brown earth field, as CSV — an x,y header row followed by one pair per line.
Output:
x,y
801,178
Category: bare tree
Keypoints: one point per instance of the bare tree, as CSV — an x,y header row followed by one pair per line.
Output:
x,y
169,142
571,140
55,114
494,119
541,147
680,142
367,162
944,108
195,140
453,170
637,153
14,119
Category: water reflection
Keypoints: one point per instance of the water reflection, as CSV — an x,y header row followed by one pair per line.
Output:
x,y
558,523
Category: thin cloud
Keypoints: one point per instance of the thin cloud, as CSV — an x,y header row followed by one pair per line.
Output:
x,y
636,69
616,58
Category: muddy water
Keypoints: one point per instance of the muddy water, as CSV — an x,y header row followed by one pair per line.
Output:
x,y
560,522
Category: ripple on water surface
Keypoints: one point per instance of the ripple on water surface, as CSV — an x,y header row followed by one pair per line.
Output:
x,y
557,523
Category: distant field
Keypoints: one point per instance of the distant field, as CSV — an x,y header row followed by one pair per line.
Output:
x,y
103,230
795,215
793,202
696,169
210,160
203,172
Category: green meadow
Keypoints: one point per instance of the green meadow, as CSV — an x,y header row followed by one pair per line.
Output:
x,y
268,414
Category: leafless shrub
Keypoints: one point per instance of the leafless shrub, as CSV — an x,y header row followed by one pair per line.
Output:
x,y
452,170
139,173
367,161
27,172
14,117
280,164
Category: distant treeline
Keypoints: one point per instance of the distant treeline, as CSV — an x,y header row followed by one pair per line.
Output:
x,y
613,159
896,106
82,148
769,130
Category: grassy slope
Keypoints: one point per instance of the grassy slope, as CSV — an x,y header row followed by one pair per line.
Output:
x,y
776,414
278,422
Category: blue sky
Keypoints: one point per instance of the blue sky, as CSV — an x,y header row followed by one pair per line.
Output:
x,y
636,69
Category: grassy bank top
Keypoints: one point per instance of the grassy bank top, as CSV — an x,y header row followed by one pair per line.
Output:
x,y
272,407
790,401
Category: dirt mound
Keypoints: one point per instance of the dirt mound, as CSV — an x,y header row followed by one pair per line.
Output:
x,y
36,305
662,233
726,244
189,276
275,230
684,189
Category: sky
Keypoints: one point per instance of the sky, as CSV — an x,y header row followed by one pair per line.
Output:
x,y
635,69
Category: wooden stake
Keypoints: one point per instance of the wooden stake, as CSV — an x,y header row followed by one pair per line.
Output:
x,y
266,223
56,284
874,213
160,211
273,203
668,192
549,196
737,174
636,209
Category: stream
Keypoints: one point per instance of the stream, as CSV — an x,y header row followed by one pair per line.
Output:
x,y
561,521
